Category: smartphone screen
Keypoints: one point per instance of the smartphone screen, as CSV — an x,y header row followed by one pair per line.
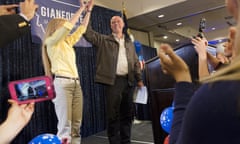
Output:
x,y
34,89
31,90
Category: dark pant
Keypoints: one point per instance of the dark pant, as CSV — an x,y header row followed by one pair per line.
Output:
x,y
119,111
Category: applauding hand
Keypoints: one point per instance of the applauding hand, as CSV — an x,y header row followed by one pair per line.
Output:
x,y
173,64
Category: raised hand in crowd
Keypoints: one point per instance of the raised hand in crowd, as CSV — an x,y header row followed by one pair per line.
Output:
x,y
17,118
200,45
90,5
172,64
8,9
28,8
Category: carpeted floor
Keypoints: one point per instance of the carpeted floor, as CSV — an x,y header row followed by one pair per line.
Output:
x,y
141,134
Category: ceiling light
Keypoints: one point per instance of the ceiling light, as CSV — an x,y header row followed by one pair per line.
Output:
x,y
161,16
213,28
165,37
178,24
177,40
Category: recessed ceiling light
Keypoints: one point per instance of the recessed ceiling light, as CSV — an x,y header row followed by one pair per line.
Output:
x,y
178,24
165,37
177,40
161,16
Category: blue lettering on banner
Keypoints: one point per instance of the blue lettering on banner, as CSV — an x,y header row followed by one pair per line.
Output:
x,y
49,9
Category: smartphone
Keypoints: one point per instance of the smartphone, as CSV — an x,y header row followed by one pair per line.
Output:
x,y
35,89
202,24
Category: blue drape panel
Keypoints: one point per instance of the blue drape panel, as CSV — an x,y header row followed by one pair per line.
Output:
x,y
93,93
22,59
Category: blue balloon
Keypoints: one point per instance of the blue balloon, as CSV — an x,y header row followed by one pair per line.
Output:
x,y
138,46
45,139
166,119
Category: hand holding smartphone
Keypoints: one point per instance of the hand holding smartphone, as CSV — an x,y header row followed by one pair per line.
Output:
x,y
35,89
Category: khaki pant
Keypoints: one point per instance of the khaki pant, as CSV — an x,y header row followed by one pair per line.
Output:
x,y
68,106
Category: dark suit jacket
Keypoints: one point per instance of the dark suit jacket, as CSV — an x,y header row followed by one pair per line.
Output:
x,y
12,27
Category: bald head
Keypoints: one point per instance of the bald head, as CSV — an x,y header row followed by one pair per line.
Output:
x,y
117,24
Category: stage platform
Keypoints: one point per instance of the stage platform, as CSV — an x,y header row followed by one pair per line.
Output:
x,y
141,134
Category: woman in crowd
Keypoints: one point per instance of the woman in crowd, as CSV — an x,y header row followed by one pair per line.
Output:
x,y
205,58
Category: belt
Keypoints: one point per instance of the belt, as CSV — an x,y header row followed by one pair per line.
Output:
x,y
71,78
124,76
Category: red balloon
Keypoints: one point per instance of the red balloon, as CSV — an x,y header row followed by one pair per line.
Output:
x,y
166,140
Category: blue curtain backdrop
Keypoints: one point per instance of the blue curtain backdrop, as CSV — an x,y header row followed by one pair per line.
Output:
x,y
22,59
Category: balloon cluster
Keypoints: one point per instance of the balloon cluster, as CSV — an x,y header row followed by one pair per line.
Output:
x,y
45,139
